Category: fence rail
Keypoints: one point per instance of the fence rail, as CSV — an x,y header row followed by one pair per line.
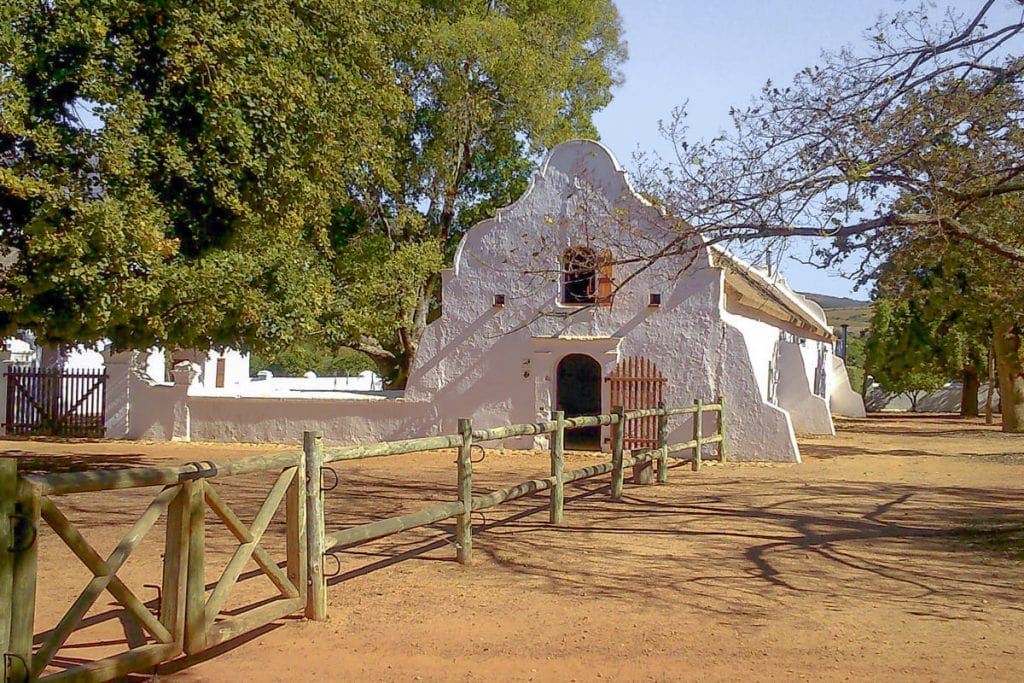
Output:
x,y
188,622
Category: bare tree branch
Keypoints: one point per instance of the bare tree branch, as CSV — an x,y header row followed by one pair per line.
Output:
x,y
870,150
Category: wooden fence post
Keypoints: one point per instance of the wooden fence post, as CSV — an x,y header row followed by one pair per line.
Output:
x,y
316,581
295,528
721,430
8,502
195,592
557,466
464,521
174,593
662,443
698,426
618,440
643,472
23,586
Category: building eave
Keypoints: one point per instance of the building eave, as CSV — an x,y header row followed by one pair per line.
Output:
x,y
771,297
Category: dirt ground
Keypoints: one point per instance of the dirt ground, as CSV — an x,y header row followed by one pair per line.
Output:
x,y
871,560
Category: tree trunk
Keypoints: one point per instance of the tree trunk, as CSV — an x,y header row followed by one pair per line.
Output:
x,y
394,357
991,365
393,372
969,393
411,333
1008,344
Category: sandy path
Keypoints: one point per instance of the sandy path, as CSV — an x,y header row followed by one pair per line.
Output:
x,y
841,568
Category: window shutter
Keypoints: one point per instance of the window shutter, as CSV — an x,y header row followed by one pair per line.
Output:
x,y
605,282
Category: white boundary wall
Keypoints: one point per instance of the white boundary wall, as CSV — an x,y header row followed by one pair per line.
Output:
x,y
944,400
140,408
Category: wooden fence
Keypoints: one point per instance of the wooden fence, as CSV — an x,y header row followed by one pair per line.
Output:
x,y
187,621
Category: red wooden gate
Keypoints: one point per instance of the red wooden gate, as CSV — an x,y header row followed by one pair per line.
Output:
x,y
636,383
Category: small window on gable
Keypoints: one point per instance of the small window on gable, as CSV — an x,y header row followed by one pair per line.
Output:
x,y
587,277
579,276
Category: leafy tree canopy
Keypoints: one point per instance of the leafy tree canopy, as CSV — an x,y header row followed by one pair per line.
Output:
x,y
940,305
169,170
249,173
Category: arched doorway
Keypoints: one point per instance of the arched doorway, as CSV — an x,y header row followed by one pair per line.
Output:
x,y
578,391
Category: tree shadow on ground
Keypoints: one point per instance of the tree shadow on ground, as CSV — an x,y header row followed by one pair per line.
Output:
x,y
729,545
830,451
38,463
733,552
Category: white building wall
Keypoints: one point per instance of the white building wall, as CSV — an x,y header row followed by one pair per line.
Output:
x,y
83,358
498,364
265,384
761,340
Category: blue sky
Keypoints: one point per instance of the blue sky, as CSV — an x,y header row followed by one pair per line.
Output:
x,y
719,54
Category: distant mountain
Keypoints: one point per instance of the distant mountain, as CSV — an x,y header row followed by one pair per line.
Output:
x,y
830,302
856,314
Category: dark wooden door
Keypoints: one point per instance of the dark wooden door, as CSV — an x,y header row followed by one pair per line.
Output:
x,y
56,402
579,393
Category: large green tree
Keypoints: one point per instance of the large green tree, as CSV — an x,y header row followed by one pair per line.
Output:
x,y
927,328
493,84
942,306
270,173
169,171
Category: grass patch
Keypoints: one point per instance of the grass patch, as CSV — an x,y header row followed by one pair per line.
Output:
x,y
1003,539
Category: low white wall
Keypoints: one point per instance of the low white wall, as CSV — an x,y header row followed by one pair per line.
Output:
x,y
282,420
843,400
275,386
944,400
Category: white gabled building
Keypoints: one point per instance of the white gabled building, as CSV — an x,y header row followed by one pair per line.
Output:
x,y
557,297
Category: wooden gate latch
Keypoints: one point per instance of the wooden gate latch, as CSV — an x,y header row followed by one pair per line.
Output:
x,y
25,534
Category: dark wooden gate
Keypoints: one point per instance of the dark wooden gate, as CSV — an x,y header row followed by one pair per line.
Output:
x,y
636,383
56,402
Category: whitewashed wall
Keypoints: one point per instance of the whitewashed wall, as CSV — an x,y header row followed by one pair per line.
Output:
x,y
282,420
944,400
140,408
265,384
